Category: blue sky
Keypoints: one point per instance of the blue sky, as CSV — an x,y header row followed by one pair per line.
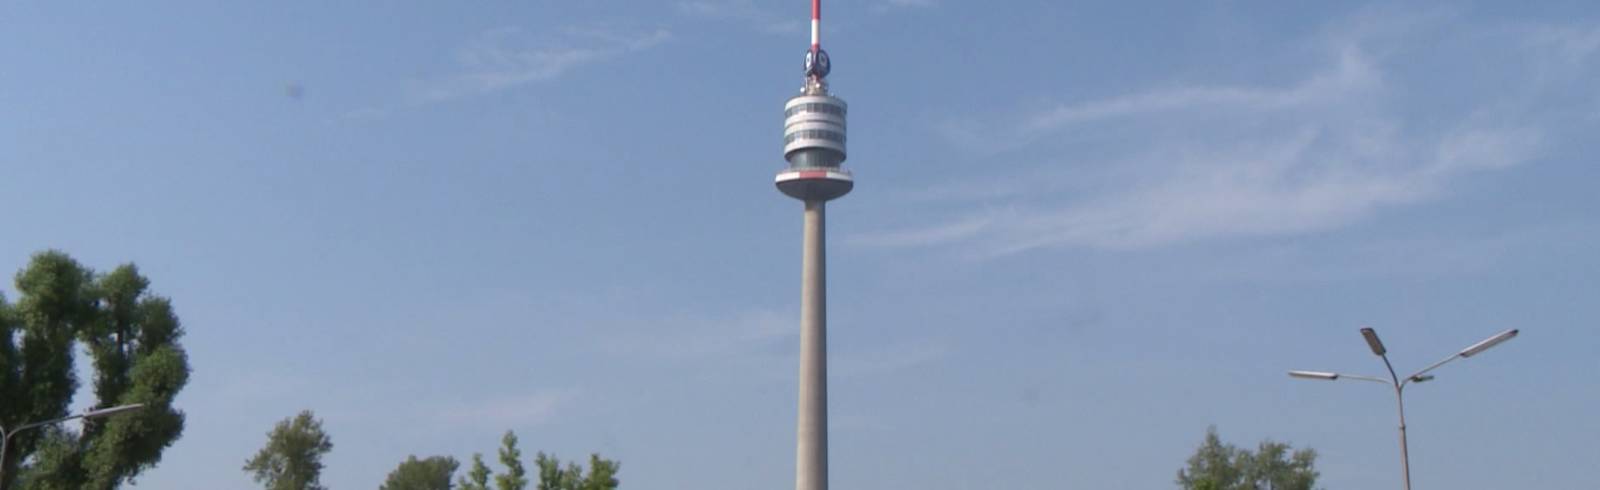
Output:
x,y
1081,234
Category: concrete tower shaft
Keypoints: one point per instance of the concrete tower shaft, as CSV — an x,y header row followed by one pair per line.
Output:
x,y
811,424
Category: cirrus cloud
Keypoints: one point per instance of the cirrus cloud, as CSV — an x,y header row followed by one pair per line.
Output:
x,y
1195,161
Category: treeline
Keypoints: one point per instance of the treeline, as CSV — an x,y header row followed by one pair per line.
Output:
x,y
133,339
1216,465
292,460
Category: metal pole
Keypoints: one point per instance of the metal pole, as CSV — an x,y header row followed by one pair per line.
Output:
x,y
1405,457
811,449
5,440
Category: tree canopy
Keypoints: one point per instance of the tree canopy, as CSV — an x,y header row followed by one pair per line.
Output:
x,y
515,476
433,473
1273,466
292,457
476,478
133,340
552,474
602,474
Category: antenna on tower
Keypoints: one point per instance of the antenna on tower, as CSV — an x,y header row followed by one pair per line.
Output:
x,y
817,63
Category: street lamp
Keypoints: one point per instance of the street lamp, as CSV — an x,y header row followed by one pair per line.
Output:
x,y
5,435
1399,384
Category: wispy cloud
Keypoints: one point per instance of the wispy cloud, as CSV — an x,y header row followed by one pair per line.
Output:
x,y
1453,256
1569,44
891,358
747,12
1217,161
887,5
756,333
505,58
511,411
364,114
697,336
1351,75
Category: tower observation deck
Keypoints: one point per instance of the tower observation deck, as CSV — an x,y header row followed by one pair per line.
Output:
x,y
814,144
814,131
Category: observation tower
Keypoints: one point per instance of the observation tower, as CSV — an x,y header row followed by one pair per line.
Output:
x,y
814,145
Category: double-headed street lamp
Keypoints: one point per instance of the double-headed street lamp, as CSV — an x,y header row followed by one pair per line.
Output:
x,y
5,435
1399,384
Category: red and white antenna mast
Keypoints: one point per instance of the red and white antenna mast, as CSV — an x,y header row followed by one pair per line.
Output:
x,y
816,25
817,64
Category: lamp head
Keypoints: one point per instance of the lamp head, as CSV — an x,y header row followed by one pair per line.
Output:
x,y
1373,342
1314,375
111,411
1489,342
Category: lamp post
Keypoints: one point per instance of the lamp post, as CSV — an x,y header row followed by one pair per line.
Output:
x,y
5,435
1399,384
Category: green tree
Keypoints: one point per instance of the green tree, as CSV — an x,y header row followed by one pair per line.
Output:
x,y
422,474
1273,466
292,458
1276,466
553,477
132,337
56,454
1214,466
476,478
515,477
602,474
